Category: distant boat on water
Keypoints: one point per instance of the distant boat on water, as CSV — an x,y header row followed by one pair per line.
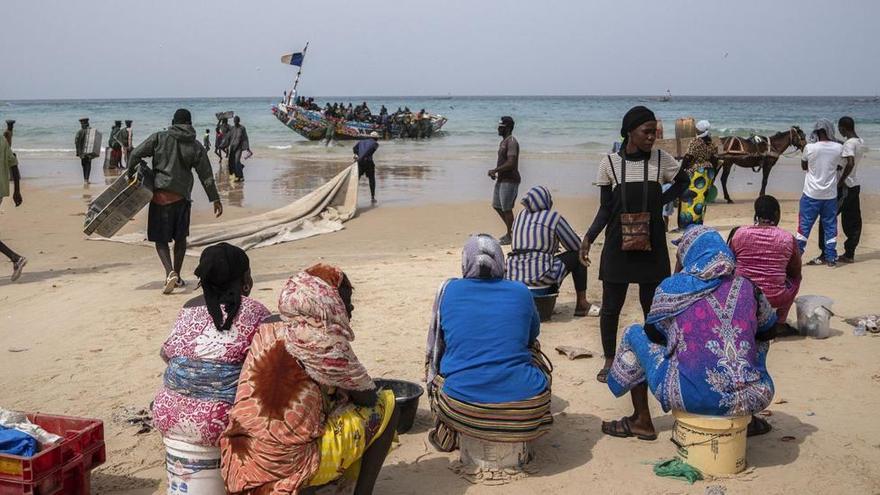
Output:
x,y
308,119
667,96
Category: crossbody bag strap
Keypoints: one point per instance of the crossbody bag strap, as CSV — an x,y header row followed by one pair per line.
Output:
x,y
645,186
658,166
623,184
613,173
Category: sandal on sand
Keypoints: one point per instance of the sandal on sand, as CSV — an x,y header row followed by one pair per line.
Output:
x,y
17,267
170,283
817,261
758,426
602,376
622,429
593,310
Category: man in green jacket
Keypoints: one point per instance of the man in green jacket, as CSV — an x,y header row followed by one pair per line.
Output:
x,y
176,153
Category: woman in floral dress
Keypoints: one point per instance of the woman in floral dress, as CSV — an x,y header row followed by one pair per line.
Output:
x,y
703,349
205,351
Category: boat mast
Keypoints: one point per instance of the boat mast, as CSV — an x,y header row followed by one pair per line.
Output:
x,y
292,93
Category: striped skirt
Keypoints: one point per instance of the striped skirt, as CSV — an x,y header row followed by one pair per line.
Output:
x,y
520,421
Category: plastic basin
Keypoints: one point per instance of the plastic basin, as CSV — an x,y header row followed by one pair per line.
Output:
x,y
406,396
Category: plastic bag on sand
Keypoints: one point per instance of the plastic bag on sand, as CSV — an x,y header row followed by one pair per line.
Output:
x,y
814,316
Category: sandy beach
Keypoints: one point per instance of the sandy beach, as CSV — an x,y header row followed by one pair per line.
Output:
x,y
81,333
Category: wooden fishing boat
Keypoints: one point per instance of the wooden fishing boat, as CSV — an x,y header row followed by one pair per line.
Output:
x,y
314,125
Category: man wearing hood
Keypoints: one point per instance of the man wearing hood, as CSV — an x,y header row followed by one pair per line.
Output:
x,y
538,234
176,152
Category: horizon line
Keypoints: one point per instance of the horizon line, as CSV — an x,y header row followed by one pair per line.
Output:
x,y
442,96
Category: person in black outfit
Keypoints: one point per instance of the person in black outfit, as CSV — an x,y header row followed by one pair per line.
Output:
x,y
363,153
630,182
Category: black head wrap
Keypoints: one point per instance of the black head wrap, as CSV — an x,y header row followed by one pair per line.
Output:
x,y
221,271
635,117
182,116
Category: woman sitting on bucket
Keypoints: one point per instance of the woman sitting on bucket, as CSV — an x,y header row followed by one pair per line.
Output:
x,y
703,348
307,413
486,376
538,233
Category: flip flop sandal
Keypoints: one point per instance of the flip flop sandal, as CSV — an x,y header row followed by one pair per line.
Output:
x,y
170,283
621,429
758,426
602,376
17,267
593,310
817,261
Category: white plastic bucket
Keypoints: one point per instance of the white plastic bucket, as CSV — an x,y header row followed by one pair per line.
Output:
x,y
814,316
192,469
493,455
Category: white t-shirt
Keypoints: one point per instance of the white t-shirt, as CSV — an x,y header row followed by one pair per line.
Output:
x,y
854,147
822,159
609,171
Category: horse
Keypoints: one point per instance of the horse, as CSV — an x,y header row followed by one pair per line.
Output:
x,y
757,154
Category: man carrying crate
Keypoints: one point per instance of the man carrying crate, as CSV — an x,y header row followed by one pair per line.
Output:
x,y
83,149
176,153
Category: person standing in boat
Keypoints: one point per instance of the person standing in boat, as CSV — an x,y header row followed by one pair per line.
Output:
x,y
506,176
236,142
363,153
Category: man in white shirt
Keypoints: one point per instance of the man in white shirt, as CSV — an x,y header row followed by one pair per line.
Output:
x,y
848,190
819,200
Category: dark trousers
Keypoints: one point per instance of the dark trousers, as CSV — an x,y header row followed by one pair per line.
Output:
x,y
233,161
368,168
578,271
850,212
613,297
87,167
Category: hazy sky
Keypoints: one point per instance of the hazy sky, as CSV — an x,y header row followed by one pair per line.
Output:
x,y
183,48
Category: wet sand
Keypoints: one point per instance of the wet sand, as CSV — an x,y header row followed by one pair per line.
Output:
x,y
412,179
82,329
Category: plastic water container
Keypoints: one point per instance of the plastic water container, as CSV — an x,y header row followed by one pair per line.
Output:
x,y
713,445
192,469
814,316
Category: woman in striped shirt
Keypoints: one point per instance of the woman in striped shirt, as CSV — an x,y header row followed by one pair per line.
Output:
x,y
538,232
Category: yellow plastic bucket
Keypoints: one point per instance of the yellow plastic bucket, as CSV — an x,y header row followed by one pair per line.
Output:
x,y
714,445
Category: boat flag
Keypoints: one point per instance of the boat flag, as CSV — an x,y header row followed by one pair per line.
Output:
x,y
293,59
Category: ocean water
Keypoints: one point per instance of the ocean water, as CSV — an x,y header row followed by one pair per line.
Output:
x,y
560,127
561,140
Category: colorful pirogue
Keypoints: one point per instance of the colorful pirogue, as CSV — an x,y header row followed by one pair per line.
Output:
x,y
307,119
312,124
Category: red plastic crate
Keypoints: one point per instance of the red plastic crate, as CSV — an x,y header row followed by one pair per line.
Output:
x,y
81,436
50,484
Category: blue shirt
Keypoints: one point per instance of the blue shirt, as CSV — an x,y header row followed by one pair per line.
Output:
x,y
488,326
365,148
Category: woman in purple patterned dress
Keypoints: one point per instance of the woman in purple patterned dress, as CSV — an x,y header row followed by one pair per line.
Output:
x,y
703,348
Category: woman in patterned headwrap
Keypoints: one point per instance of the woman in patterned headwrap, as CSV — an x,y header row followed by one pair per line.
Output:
x,y
485,373
306,412
703,348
